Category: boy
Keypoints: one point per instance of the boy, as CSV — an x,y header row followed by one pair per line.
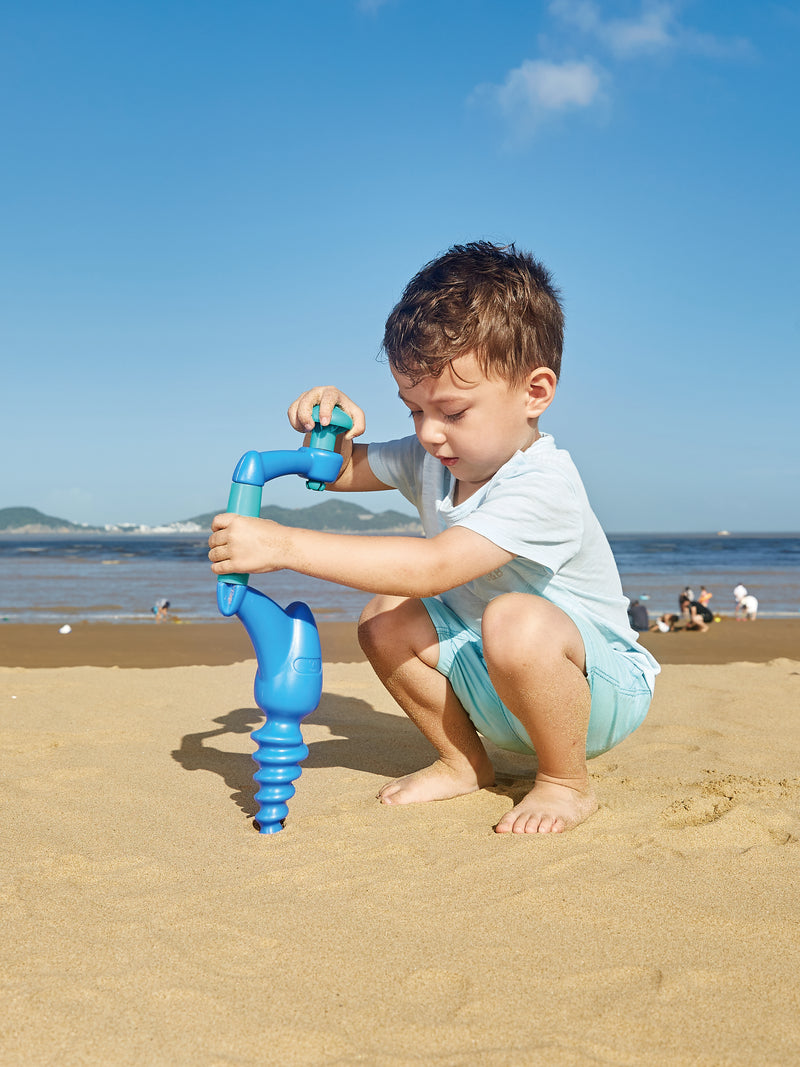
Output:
x,y
509,617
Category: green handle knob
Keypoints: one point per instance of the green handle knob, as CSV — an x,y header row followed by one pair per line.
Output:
x,y
325,436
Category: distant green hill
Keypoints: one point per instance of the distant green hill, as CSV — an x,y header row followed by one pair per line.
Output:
x,y
33,521
337,516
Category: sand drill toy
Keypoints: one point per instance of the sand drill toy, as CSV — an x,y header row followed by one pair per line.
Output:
x,y
288,682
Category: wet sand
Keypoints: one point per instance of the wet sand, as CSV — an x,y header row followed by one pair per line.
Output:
x,y
176,644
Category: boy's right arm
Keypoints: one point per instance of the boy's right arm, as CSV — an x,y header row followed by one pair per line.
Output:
x,y
356,475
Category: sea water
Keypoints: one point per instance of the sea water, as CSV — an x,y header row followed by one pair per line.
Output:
x,y
107,578
69,578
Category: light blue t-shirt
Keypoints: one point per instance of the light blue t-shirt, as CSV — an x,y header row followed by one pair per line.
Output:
x,y
534,507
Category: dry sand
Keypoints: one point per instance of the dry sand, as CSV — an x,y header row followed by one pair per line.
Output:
x,y
146,922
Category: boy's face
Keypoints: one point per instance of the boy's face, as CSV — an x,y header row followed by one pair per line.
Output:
x,y
473,424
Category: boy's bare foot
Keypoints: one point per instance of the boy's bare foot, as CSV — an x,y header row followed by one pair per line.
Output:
x,y
437,782
551,807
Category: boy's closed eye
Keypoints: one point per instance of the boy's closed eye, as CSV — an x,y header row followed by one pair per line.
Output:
x,y
448,417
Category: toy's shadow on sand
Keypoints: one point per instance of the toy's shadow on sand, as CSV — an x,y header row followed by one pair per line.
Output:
x,y
235,768
362,738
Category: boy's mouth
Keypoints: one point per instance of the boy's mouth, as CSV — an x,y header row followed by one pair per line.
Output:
x,y
448,461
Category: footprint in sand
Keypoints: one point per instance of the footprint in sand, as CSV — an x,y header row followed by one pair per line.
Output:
x,y
695,811
741,829
719,795
737,812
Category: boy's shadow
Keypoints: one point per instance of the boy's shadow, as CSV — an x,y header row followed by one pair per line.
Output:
x,y
362,738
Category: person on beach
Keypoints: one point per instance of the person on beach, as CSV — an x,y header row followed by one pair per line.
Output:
x,y
638,616
508,618
695,613
160,609
698,618
748,606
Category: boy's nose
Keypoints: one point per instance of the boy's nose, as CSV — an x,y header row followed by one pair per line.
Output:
x,y
431,432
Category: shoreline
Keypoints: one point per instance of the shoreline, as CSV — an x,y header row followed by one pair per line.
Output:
x,y
182,644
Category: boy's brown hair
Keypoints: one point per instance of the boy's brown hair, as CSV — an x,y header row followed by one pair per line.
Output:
x,y
491,300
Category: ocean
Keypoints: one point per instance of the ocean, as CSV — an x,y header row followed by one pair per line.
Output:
x,y
64,578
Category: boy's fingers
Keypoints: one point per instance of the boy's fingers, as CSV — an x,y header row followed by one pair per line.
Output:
x,y
359,422
215,553
328,399
300,413
221,521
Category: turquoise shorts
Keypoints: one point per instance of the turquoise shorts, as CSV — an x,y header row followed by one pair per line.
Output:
x,y
620,693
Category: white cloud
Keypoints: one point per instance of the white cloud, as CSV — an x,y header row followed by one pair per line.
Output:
x,y
538,83
649,31
539,88
656,28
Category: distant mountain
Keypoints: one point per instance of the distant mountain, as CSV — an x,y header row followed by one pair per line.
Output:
x,y
332,516
29,520
335,516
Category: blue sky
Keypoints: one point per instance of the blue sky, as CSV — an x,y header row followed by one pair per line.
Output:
x,y
206,208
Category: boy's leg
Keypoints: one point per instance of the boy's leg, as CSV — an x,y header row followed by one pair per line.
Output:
x,y
401,643
536,662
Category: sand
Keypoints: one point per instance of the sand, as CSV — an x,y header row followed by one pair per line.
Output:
x,y
146,922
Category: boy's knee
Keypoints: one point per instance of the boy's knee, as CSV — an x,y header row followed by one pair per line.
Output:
x,y
381,620
371,625
513,618
391,624
520,628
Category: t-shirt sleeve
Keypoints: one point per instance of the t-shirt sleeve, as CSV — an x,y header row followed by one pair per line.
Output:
x,y
399,464
535,514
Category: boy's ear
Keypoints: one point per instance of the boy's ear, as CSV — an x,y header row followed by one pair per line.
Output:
x,y
541,388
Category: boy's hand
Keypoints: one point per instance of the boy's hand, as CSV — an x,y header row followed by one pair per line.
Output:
x,y
327,396
355,475
240,544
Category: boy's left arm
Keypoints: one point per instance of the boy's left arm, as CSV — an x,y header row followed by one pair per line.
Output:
x,y
395,566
